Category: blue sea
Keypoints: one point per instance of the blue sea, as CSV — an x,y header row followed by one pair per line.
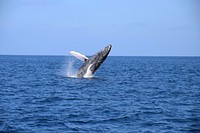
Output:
x,y
125,95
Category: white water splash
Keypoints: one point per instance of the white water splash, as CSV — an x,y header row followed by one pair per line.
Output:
x,y
69,70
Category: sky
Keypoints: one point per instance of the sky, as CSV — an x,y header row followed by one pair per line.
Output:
x,y
133,27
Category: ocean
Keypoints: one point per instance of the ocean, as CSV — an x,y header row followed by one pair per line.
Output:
x,y
125,95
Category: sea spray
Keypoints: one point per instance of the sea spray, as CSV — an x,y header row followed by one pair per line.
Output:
x,y
70,70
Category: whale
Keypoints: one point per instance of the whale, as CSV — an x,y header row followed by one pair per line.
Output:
x,y
91,64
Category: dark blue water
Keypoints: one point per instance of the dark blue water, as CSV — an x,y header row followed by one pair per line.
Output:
x,y
127,94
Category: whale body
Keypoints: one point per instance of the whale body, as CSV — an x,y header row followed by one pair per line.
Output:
x,y
91,64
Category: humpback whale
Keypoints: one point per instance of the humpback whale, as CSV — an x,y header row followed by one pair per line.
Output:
x,y
91,64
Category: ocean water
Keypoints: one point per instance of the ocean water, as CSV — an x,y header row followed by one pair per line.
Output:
x,y
126,94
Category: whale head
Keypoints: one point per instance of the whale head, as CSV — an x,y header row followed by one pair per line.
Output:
x,y
93,63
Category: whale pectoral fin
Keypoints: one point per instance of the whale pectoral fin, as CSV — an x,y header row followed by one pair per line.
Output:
x,y
79,56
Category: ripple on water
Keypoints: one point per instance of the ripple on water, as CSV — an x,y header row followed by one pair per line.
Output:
x,y
126,94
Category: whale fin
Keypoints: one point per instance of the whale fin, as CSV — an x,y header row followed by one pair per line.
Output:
x,y
79,56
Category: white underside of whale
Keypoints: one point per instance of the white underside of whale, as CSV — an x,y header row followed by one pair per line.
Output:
x,y
88,73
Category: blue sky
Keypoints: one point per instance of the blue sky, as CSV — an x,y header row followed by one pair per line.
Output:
x,y
133,27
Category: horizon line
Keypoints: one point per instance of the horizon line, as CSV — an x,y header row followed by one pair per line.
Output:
x,y
108,56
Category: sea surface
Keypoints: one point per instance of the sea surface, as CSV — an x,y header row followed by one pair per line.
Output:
x,y
38,94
